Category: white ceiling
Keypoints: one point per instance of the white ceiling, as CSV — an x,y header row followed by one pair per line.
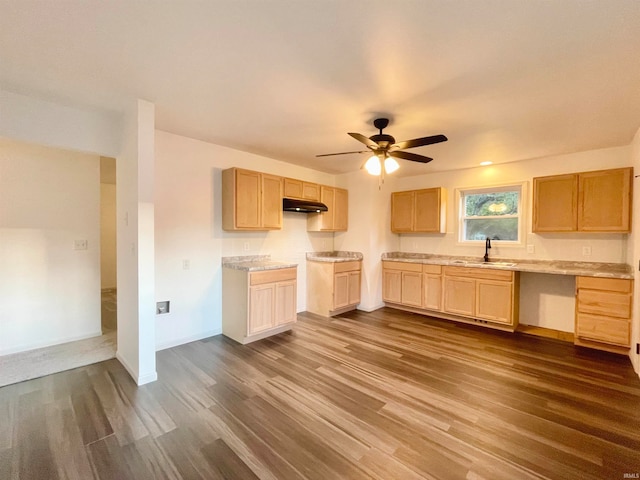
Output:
x,y
505,80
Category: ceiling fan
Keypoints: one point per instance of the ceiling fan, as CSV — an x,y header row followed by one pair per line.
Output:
x,y
385,149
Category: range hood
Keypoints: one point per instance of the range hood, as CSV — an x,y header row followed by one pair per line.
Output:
x,y
302,206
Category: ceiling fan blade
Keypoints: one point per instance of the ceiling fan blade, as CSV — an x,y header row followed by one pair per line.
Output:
x,y
342,153
410,156
367,141
418,142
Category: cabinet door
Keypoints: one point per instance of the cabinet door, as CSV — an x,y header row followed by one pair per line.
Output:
x,y
412,289
402,211
392,286
427,210
354,288
459,296
493,301
247,201
292,188
271,201
603,329
555,203
261,308
311,191
432,291
328,198
340,290
285,302
604,200
612,304
341,210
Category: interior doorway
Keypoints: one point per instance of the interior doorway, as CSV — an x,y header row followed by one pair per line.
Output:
x,y
108,251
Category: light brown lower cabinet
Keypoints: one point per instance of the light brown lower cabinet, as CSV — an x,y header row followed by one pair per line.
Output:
x,y
460,293
484,294
333,287
258,304
603,313
432,282
402,283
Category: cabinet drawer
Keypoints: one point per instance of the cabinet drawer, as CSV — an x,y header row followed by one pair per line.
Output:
x,y
603,329
434,269
272,276
483,273
403,266
609,284
604,303
340,267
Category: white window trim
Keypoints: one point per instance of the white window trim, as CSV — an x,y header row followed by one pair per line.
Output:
x,y
522,209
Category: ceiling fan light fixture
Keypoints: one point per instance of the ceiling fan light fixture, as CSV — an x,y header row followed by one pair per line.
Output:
x,y
373,166
390,165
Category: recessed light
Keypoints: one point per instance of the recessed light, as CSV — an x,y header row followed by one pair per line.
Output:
x,y
484,164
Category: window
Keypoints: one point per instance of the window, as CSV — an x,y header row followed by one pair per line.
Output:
x,y
493,212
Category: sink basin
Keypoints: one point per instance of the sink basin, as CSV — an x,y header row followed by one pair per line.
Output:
x,y
482,264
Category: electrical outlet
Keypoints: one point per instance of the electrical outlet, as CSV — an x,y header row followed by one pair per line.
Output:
x,y
586,251
531,249
162,307
246,246
186,264
80,244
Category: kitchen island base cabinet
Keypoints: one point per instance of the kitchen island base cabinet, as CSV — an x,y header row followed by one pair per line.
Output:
x,y
333,287
258,304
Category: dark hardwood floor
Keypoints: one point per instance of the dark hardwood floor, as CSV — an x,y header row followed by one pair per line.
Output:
x,y
384,395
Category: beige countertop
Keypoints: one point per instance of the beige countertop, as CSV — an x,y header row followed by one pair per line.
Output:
x,y
555,267
336,256
254,263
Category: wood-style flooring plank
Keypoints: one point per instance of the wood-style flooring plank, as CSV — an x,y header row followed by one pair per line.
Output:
x,y
382,395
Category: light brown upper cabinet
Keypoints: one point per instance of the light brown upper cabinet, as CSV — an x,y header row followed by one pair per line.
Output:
x,y
251,200
336,219
555,203
598,201
301,190
419,211
604,200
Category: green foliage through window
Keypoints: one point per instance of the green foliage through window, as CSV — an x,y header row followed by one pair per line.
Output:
x,y
491,214
491,204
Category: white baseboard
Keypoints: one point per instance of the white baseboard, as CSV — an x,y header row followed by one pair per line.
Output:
x,y
369,309
47,343
191,338
140,380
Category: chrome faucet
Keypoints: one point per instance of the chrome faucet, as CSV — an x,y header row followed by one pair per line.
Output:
x,y
487,246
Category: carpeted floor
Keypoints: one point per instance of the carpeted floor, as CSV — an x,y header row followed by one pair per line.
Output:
x,y
22,366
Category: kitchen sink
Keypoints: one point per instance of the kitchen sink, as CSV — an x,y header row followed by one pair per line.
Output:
x,y
482,264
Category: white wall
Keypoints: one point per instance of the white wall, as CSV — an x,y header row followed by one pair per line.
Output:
x,y
49,292
369,232
188,227
135,243
46,123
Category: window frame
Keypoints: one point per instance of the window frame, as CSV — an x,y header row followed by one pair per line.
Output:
x,y
461,192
